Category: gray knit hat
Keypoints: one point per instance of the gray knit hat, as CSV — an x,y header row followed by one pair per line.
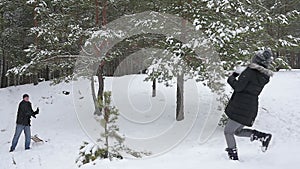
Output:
x,y
263,57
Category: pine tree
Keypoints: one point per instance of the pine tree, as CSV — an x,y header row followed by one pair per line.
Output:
x,y
15,23
111,143
60,29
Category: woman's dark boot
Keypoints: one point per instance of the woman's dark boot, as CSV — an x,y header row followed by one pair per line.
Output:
x,y
265,139
232,153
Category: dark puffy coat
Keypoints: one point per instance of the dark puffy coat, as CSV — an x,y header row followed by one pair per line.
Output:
x,y
24,113
243,104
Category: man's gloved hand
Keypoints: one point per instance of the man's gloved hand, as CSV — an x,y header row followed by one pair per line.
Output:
x,y
37,111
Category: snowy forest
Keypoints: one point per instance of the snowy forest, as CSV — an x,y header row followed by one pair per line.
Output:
x,y
158,81
40,39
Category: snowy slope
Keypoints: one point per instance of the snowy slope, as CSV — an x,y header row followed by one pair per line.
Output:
x,y
57,123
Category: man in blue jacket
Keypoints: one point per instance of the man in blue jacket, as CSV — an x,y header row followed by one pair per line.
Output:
x,y
25,112
243,104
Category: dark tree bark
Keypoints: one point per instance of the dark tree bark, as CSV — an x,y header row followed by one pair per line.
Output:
x,y
97,109
154,88
180,99
1,70
35,79
298,63
97,12
101,87
4,81
101,80
35,23
104,11
180,81
101,66
47,73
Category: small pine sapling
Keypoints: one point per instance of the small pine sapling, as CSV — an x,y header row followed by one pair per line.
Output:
x,y
111,143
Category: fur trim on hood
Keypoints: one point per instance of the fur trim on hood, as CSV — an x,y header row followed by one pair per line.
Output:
x,y
261,69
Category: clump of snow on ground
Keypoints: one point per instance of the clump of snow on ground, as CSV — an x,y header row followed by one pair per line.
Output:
x,y
57,123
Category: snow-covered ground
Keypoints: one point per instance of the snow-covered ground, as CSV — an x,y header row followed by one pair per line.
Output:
x,y
59,126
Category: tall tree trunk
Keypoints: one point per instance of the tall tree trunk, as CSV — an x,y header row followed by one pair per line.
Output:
x,y
298,63
154,88
4,81
35,23
1,69
180,99
106,118
104,17
97,109
101,66
15,80
180,80
101,88
293,63
47,74
97,12
7,81
35,79
101,81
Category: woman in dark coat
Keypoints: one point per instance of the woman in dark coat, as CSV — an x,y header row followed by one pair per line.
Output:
x,y
243,104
